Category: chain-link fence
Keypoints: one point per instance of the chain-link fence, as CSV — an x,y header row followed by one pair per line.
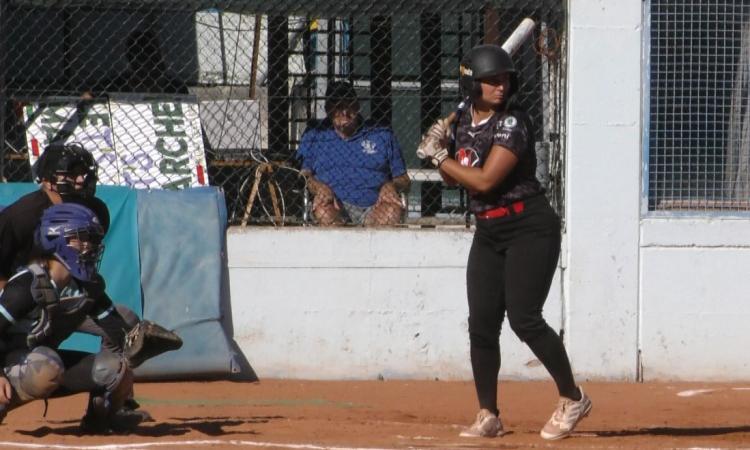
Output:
x,y
698,128
170,94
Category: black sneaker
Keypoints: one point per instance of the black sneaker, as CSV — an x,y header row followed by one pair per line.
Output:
x,y
142,413
131,404
117,423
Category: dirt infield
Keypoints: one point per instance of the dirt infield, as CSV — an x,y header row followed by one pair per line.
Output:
x,y
395,415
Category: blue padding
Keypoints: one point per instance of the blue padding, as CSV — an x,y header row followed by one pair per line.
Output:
x,y
10,192
182,242
120,265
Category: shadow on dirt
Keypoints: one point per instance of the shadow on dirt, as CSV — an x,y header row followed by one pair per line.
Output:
x,y
675,431
175,426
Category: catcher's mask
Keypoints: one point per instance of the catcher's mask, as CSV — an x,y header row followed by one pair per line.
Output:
x,y
61,164
484,61
71,233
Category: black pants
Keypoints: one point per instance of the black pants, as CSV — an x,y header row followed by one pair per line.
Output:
x,y
511,265
78,376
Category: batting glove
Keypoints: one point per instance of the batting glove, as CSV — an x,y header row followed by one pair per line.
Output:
x,y
434,145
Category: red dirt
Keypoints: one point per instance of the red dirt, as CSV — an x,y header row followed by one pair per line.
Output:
x,y
397,414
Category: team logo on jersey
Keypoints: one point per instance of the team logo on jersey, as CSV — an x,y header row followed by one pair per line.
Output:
x,y
467,157
510,122
502,135
368,147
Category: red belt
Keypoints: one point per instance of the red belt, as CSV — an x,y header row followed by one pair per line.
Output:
x,y
502,211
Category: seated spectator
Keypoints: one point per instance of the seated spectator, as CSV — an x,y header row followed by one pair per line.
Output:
x,y
354,169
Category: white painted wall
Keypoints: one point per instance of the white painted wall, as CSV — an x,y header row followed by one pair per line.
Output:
x,y
695,296
673,288
603,186
359,303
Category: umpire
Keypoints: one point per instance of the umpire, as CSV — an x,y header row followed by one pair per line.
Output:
x,y
65,173
517,240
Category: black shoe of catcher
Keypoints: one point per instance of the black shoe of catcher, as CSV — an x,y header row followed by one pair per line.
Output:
x,y
117,423
133,407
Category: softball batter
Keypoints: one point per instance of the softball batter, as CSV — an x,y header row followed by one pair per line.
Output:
x,y
517,240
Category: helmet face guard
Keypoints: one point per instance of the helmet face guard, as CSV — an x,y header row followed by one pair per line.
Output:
x,y
63,164
72,234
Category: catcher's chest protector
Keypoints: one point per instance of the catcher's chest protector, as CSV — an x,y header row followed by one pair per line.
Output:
x,y
54,318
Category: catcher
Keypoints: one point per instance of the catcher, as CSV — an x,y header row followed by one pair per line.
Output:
x,y
45,302
67,173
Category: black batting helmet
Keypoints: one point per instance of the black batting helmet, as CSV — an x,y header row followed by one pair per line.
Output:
x,y
67,160
484,61
340,93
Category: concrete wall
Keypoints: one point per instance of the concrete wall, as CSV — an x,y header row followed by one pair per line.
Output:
x,y
694,296
358,303
649,297
603,185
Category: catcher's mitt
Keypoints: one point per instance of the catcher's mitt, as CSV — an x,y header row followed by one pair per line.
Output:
x,y
148,339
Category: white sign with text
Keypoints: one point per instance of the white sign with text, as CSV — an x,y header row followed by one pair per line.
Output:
x,y
140,143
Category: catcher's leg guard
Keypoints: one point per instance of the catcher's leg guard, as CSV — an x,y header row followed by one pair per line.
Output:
x,y
112,373
37,374
33,375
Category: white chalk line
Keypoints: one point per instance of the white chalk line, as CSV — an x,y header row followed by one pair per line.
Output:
x,y
694,392
242,443
237,443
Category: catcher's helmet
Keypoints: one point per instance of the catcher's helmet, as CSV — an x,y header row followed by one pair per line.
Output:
x,y
60,162
62,223
485,61
339,93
